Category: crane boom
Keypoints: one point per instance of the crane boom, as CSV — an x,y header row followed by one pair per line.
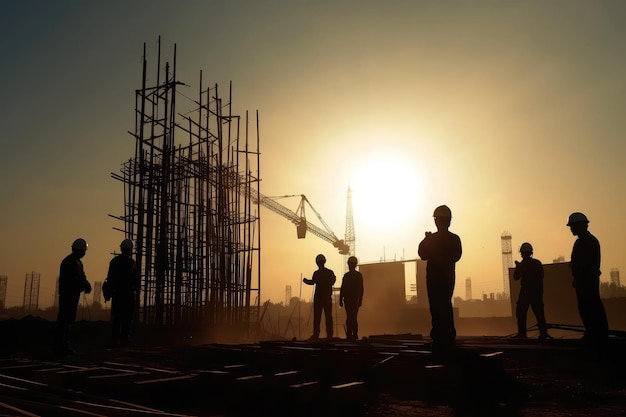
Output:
x,y
299,219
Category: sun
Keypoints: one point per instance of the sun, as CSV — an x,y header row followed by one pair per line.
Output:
x,y
385,191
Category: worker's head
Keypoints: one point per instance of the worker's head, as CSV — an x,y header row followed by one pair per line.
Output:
x,y
79,247
526,250
352,262
320,260
443,217
126,246
577,223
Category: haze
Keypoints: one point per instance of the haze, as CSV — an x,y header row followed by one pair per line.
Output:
x,y
508,112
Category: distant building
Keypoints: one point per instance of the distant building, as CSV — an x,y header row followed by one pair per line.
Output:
x,y
31,291
468,288
55,302
4,280
384,287
559,259
615,277
97,292
287,294
489,306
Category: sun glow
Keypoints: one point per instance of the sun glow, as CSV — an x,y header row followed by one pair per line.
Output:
x,y
385,192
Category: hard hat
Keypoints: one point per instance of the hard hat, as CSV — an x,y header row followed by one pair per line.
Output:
x,y
79,244
526,247
320,258
442,211
353,260
577,217
126,244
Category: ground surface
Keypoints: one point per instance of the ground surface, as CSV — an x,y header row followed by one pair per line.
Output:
x,y
390,375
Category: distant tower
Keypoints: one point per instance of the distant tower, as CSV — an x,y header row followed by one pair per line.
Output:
x,y
349,237
97,292
507,260
31,291
56,294
468,288
287,295
615,277
3,290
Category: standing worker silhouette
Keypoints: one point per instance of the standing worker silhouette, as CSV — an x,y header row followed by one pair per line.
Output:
x,y
585,266
442,250
351,295
530,272
323,279
72,282
122,286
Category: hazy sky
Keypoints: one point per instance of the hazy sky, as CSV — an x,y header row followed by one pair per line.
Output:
x,y
509,112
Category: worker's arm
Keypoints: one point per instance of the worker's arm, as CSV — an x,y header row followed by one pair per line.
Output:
x,y
517,274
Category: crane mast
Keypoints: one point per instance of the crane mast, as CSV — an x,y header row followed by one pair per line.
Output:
x,y
349,236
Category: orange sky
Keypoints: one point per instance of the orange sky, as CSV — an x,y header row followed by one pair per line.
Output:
x,y
508,112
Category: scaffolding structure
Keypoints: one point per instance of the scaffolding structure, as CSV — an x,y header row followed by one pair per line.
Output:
x,y
188,205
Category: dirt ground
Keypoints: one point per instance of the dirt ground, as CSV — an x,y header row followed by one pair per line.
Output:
x,y
388,375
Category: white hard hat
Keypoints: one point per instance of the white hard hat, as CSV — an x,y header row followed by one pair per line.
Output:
x,y
79,244
526,247
577,218
442,211
126,244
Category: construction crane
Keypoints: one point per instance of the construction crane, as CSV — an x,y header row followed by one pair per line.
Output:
x,y
298,218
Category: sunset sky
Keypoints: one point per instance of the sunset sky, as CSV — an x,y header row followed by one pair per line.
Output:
x,y
511,113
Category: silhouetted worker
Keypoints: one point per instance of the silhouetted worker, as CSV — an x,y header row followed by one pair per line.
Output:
x,y
530,273
72,282
122,286
585,266
351,295
323,279
442,250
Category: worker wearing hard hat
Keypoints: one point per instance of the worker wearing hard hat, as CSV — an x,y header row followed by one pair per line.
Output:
x,y
323,279
585,266
351,295
530,273
122,287
72,282
442,250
